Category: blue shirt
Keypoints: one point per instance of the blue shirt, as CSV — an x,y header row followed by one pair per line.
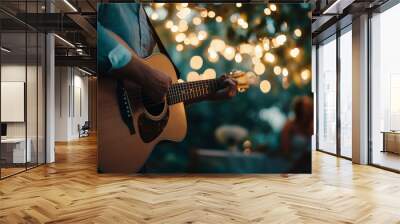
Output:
x,y
129,22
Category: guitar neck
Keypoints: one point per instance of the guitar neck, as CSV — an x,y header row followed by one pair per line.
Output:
x,y
188,91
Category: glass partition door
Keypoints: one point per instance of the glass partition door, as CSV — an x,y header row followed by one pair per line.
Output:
x,y
326,110
346,94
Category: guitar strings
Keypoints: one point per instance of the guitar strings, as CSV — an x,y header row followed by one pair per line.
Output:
x,y
200,85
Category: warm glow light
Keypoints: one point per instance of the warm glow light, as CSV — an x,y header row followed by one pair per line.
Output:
x,y
192,76
277,70
154,16
204,13
238,5
196,21
211,14
272,7
246,49
159,5
182,26
213,56
229,53
238,57
218,19
305,74
209,73
294,52
285,72
202,35
258,51
297,32
267,11
218,45
180,37
179,47
196,62
265,86
266,44
174,28
169,24
186,41
281,39
193,39
269,57
183,13
259,68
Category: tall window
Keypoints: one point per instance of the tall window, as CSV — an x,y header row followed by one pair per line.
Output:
x,y
385,89
327,96
346,93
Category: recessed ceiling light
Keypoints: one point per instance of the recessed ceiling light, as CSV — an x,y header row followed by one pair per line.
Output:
x,y
70,5
65,41
5,50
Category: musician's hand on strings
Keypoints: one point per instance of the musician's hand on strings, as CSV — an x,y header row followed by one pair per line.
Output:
x,y
228,90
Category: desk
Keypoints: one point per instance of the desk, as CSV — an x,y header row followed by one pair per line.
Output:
x,y
13,150
391,141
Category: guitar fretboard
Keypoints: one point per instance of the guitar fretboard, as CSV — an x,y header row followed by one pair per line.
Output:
x,y
182,92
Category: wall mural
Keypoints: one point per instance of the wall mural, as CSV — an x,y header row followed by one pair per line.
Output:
x,y
204,88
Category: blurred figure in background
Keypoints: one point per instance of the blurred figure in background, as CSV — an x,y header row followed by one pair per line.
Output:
x,y
296,135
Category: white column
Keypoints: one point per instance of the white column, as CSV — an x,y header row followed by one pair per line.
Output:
x,y
50,98
360,90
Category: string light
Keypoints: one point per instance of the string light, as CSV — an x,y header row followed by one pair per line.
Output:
x,y
204,13
258,51
229,53
238,5
269,57
297,32
259,68
174,28
285,72
182,26
209,73
267,11
265,86
169,24
154,16
218,19
180,37
272,7
277,70
196,21
211,14
238,58
305,74
196,62
202,35
192,76
218,45
281,39
213,56
294,52
179,47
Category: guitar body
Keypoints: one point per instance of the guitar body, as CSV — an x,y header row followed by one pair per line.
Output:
x,y
118,149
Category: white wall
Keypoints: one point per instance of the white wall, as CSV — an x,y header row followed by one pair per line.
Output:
x,y
71,102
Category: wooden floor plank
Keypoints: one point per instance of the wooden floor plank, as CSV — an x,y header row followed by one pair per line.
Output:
x,y
71,191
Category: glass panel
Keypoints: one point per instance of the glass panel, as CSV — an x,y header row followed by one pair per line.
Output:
x,y
41,99
327,97
31,98
385,84
13,94
346,94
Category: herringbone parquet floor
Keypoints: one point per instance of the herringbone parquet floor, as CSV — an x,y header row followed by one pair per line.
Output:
x,y
70,191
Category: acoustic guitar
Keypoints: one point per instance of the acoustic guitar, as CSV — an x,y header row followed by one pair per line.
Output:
x,y
125,145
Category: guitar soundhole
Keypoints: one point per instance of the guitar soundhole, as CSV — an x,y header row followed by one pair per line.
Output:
x,y
152,107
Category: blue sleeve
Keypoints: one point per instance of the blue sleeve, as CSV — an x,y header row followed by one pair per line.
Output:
x,y
111,54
